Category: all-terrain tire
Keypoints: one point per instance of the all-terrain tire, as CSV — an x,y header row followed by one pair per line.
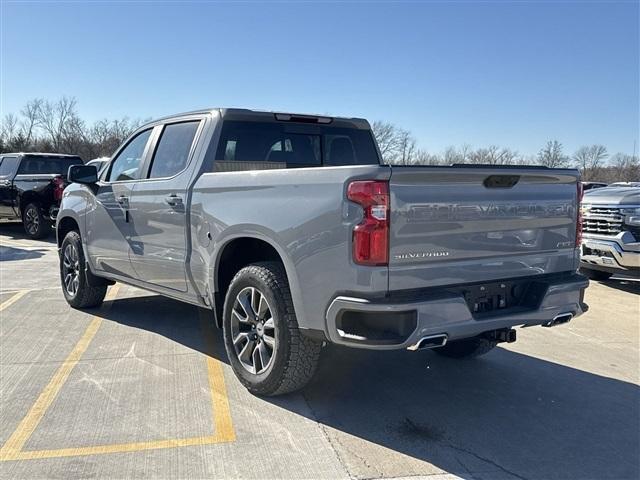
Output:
x,y
85,295
466,348
35,224
295,356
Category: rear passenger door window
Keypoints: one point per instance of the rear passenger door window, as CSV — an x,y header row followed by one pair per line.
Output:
x,y
126,166
172,152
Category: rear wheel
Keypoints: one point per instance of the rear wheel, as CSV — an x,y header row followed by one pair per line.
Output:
x,y
36,225
466,348
73,276
596,274
266,350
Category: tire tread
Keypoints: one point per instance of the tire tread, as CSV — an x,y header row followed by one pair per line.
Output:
x,y
304,352
45,225
87,295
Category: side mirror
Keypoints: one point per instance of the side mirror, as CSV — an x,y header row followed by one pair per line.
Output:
x,y
87,174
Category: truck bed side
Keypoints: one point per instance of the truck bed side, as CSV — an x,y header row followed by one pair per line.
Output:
x,y
303,213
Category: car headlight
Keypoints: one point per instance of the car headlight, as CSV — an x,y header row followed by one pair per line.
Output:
x,y
631,215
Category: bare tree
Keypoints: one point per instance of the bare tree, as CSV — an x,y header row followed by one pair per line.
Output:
x,y
406,147
494,155
109,135
387,137
457,155
552,156
56,126
58,118
9,127
30,117
422,157
589,160
623,167
396,145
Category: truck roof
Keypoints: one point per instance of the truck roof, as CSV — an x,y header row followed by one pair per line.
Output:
x,y
273,116
40,154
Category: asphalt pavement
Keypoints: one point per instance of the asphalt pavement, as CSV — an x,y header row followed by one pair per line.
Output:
x,y
141,387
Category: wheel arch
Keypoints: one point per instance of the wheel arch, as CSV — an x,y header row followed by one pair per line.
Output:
x,y
26,198
65,225
238,252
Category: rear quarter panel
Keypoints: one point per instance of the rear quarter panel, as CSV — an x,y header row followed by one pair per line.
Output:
x,y
303,213
33,187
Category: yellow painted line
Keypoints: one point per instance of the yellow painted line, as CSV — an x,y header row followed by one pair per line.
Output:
x,y
115,448
29,423
17,244
27,290
17,296
221,414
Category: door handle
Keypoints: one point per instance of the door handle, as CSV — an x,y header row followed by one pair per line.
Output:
x,y
173,200
123,200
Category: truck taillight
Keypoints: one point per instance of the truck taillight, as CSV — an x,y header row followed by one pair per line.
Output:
x,y
579,216
58,188
371,236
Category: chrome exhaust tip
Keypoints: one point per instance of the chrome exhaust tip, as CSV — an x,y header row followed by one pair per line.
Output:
x,y
430,341
559,320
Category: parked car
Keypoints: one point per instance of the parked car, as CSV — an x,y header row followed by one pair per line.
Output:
x,y
611,232
291,231
31,186
591,185
99,163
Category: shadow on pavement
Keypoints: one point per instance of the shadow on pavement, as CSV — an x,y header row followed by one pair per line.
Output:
x,y
8,254
507,414
629,285
15,231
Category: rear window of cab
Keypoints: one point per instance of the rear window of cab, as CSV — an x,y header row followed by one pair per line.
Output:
x,y
248,145
44,164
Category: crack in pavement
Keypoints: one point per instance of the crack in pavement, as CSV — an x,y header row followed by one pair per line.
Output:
x,y
324,431
441,440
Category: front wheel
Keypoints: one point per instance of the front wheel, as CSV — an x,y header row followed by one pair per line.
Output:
x,y
36,225
466,348
73,276
266,350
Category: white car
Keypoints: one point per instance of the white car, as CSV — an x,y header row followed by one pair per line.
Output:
x,y
99,163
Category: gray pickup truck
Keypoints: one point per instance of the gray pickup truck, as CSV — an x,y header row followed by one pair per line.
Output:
x,y
291,231
611,232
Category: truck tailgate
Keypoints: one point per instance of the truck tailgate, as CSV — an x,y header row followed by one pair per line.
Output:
x,y
465,224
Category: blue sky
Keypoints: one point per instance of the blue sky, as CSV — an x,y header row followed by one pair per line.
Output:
x,y
509,73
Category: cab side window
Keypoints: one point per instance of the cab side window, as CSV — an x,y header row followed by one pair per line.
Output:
x,y
126,166
172,152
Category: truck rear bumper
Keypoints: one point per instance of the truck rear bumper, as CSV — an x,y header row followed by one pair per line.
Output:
x,y
387,325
